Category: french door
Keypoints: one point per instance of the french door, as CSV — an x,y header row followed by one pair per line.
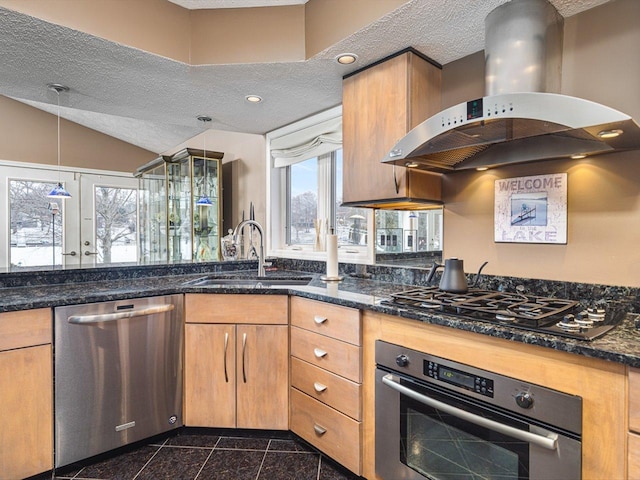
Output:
x,y
97,225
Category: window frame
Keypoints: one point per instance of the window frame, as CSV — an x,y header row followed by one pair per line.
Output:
x,y
277,204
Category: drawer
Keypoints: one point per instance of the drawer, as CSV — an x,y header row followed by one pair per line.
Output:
x,y
634,400
328,430
236,308
25,328
327,387
328,353
634,456
334,321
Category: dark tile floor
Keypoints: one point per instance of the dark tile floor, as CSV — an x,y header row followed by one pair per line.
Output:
x,y
211,455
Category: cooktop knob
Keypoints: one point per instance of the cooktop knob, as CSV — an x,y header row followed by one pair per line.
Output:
x,y
524,400
402,360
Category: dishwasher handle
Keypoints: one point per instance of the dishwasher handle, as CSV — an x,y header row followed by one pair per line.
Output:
x,y
110,317
549,442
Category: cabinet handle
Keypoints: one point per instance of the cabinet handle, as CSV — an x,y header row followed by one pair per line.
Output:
x,y
319,387
244,348
319,352
319,429
319,320
226,344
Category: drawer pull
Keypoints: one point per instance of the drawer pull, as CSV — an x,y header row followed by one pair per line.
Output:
x,y
319,320
319,352
319,430
319,387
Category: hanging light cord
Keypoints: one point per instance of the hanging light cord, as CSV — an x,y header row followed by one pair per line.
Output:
x,y
58,94
58,191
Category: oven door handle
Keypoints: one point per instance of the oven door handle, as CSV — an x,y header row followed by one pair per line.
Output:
x,y
549,441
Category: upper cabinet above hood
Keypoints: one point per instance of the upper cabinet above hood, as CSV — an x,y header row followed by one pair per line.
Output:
x,y
518,120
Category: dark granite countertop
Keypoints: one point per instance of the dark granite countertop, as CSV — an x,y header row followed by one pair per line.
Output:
x,y
621,345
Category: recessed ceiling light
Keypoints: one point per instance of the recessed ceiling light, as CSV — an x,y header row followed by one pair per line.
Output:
x,y
578,156
610,133
253,98
346,58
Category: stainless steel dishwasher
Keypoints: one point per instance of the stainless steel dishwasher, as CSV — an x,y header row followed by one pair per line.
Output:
x,y
118,374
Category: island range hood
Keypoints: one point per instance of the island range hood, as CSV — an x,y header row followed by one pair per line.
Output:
x,y
520,119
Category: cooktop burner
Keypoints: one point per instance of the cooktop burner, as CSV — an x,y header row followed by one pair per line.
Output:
x,y
542,314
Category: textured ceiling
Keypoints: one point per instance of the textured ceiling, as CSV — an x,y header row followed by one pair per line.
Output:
x,y
152,101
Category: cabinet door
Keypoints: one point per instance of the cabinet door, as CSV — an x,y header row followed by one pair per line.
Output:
x,y
634,400
26,396
379,106
634,456
210,375
263,376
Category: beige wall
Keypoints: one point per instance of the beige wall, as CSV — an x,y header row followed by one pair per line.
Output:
x,y
30,135
156,26
603,193
329,21
601,58
247,35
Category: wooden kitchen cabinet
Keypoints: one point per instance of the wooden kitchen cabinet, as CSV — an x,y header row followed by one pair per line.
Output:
x,y
380,104
326,379
236,361
633,445
26,393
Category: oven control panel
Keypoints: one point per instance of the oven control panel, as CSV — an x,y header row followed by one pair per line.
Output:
x,y
459,378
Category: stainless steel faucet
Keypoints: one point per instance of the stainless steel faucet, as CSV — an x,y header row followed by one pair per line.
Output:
x,y
239,228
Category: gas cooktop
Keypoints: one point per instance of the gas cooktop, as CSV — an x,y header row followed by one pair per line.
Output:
x,y
567,318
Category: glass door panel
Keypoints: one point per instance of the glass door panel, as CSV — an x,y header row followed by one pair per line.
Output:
x,y
109,219
206,209
34,232
35,224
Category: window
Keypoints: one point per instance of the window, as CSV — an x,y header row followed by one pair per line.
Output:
x,y
351,223
314,204
302,202
305,193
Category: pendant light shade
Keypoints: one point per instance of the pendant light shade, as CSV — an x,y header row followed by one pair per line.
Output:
x,y
58,191
204,201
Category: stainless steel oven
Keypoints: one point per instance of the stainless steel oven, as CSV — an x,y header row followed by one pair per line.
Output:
x,y
438,419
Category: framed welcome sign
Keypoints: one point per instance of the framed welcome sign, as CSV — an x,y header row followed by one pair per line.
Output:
x,y
531,209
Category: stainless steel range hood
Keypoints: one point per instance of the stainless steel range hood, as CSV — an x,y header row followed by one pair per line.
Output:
x,y
518,120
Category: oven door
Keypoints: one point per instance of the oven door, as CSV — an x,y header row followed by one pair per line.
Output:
x,y
423,431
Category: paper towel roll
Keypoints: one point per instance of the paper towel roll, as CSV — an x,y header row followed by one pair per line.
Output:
x,y
332,256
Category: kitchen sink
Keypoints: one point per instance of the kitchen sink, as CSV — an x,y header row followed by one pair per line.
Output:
x,y
251,282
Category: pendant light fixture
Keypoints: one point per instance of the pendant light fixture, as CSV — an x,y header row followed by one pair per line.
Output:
x,y
204,200
58,191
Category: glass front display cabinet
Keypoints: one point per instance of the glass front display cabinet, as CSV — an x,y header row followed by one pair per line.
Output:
x,y
181,207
